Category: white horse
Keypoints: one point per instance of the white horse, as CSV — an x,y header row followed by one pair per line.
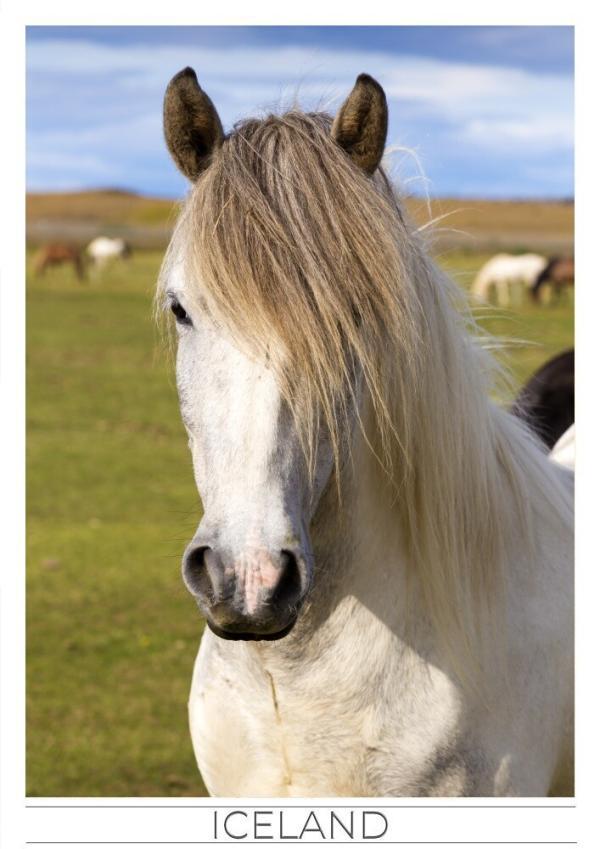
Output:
x,y
385,556
508,274
103,250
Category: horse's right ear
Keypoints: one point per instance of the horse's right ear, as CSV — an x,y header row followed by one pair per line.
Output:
x,y
360,127
192,127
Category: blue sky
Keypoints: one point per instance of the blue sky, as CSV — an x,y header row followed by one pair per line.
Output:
x,y
474,111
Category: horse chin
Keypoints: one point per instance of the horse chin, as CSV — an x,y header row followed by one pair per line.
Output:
x,y
248,635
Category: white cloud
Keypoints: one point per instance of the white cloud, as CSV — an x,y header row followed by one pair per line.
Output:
x,y
486,107
516,132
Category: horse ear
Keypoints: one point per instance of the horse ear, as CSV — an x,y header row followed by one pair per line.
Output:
x,y
360,127
192,127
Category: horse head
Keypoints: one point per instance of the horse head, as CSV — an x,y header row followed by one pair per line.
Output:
x,y
259,471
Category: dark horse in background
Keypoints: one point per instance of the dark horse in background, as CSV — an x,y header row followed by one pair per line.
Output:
x,y
559,273
58,253
547,401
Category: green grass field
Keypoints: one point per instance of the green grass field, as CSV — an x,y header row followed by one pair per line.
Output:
x,y
112,633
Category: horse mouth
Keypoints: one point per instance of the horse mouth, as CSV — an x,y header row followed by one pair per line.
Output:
x,y
226,634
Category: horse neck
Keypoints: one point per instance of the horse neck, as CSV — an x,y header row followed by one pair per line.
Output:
x,y
359,555
430,537
367,577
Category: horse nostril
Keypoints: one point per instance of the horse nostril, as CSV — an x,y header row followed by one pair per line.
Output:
x,y
195,573
289,588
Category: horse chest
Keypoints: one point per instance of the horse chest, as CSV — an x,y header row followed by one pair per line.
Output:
x,y
255,735
258,732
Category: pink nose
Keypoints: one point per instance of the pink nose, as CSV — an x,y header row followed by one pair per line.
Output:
x,y
255,594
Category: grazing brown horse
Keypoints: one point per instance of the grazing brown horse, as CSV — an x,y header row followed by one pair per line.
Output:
x,y
547,401
559,273
57,253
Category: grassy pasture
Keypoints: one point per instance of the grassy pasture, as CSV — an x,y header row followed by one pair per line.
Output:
x,y
111,502
112,634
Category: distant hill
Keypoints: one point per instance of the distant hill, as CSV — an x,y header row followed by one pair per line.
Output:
x,y
471,224
109,207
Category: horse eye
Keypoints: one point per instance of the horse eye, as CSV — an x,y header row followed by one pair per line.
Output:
x,y
180,314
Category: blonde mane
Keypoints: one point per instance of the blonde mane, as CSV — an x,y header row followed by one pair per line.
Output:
x,y
309,262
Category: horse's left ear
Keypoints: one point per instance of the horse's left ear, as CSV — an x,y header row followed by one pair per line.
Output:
x,y
192,126
360,127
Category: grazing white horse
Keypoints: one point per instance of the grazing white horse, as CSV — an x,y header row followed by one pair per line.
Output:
x,y
508,274
385,556
103,250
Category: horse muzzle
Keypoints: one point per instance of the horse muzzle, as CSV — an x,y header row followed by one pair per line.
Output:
x,y
255,595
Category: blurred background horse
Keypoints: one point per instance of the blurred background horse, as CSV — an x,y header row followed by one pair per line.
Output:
x,y
507,274
558,274
103,250
59,253
547,401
